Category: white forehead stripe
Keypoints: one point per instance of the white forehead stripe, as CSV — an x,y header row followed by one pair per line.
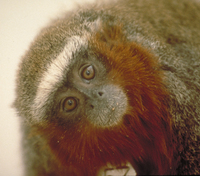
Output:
x,y
54,74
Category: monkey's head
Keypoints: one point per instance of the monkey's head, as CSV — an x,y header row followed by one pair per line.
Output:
x,y
96,98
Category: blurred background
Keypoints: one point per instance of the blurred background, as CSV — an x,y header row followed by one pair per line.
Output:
x,y
20,21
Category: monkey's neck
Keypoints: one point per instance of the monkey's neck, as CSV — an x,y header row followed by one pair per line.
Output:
x,y
89,148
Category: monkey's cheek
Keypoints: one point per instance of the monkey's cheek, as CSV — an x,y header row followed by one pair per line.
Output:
x,y
110,170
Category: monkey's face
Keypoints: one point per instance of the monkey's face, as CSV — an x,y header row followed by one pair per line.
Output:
x,y
89,94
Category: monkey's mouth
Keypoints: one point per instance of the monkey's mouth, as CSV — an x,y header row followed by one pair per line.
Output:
x,y
110,170
107,109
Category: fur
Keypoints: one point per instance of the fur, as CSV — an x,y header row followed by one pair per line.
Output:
x,y
54,75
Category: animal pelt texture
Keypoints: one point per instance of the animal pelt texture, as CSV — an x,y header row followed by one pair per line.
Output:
x,y
169,31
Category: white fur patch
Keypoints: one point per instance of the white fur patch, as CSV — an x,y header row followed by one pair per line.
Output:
x,y
54,75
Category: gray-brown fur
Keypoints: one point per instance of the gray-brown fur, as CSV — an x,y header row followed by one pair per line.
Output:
x,y
170,29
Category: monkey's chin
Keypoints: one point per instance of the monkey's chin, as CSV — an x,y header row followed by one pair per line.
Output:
x,y
109,170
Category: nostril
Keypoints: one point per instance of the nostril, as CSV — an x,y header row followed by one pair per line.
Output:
x,y
100,93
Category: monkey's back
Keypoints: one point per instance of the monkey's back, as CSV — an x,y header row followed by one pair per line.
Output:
x,y
171,29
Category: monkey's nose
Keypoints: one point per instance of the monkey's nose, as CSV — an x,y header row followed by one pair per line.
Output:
x,y
100,93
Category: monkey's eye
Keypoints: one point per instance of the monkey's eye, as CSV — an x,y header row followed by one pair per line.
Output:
x,y
88,72
69,104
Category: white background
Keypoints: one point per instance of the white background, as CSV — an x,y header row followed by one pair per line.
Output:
x,y
20,21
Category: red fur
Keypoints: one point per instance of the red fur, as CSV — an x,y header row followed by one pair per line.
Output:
x,y
144,137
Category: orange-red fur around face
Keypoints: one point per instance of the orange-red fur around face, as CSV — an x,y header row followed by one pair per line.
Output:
x,y
144,137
